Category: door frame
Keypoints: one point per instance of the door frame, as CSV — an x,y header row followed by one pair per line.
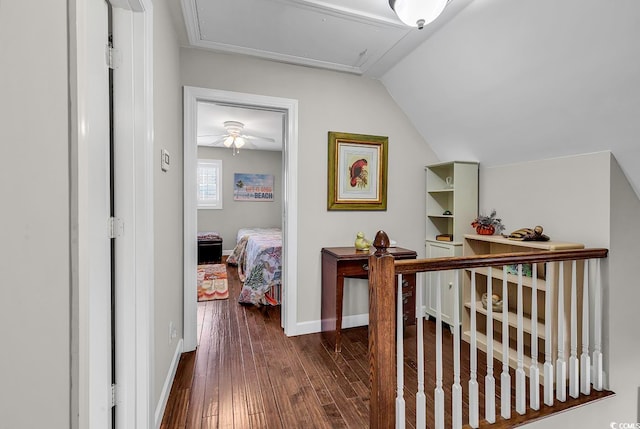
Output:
x,y
192,95
90,323
133,122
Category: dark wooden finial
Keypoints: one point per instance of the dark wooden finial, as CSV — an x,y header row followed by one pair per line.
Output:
x,y
381,243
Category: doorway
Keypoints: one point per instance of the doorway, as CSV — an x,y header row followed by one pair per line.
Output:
x,y
289,109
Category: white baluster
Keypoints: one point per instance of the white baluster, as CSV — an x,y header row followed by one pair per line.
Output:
x,y
534,372
439,392
548,322
561,364
597,327
585,359
489,380
474,418
421,399
505,377
521,386
456,389
574,380
400,409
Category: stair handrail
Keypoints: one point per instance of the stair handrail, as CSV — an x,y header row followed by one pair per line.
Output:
x,y
383,269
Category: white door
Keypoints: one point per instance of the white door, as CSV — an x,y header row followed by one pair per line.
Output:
x,y
448,299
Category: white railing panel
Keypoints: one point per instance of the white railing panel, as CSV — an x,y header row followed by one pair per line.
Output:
x,y
505,377
456,389
534,372
400,405
564,368
439,392
597,327
574,378
489,380
561,364
548,321
421,398
474,402
585,360
521,394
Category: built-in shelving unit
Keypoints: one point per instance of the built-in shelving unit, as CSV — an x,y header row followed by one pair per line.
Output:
x,y
482,244
451,206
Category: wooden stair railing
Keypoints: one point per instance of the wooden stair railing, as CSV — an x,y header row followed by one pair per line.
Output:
x,y
383,270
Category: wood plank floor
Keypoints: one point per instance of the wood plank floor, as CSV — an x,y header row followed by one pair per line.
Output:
x,y
247,374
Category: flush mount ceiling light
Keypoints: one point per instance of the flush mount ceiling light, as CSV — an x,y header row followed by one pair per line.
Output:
x,y
418,13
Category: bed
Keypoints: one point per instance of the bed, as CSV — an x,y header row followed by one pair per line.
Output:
x,y
258,256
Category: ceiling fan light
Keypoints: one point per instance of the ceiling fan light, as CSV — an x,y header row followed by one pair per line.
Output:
x,y
417,13
229,141
239,141
233,127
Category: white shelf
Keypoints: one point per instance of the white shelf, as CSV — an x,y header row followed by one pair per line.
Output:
x,y
451,187
496,273
512,319
435,191
495,244
452,243
481,339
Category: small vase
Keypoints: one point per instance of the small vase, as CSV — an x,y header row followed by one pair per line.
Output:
x,y
485,229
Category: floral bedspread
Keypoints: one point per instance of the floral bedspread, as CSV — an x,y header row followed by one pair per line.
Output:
x,y
258,256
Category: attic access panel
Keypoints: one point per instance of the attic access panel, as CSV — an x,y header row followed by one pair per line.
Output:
x,y
296,32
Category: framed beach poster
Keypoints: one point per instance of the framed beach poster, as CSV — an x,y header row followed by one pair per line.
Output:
x,y
357,172
252,187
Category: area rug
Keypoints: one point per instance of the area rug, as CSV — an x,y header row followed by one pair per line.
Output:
x,y
212,282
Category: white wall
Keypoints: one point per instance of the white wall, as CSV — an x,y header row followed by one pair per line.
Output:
x,y
167,195
568,196
585,199
507,81
330,101
34,238
241,214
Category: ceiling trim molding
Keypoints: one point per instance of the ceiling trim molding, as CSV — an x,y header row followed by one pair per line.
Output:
x,y
341,11
284,58
191,21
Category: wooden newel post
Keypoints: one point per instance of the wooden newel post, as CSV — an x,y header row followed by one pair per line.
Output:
x,y
382,322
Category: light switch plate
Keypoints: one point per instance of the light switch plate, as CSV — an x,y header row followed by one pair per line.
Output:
x,y
165,160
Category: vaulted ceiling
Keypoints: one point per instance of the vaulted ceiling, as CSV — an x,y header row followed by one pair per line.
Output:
x,y
354,36
495,81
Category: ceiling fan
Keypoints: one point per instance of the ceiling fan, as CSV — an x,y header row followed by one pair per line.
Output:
x,y
233,139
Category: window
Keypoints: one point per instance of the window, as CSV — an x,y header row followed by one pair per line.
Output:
x,y
209,184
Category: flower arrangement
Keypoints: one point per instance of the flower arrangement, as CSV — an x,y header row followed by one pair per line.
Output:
x,y
488,225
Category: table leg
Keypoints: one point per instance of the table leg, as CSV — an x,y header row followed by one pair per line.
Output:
x,y
329,291
339,298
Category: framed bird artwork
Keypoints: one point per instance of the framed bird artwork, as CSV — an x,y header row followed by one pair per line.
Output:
x,y
357,170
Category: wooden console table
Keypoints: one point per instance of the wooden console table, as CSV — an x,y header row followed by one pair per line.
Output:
x,y
341,262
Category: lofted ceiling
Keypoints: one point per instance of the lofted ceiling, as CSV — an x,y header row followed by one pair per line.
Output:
x,y
487,86
354,36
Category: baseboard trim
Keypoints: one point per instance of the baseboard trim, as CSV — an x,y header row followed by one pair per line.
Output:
x,y
168,382
314,326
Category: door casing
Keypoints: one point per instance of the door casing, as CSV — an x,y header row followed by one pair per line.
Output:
x,y
193,95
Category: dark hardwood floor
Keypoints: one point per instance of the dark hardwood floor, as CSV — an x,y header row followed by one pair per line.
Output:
x,y
247,374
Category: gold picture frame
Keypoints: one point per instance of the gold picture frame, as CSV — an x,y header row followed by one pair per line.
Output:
x,y
357,172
